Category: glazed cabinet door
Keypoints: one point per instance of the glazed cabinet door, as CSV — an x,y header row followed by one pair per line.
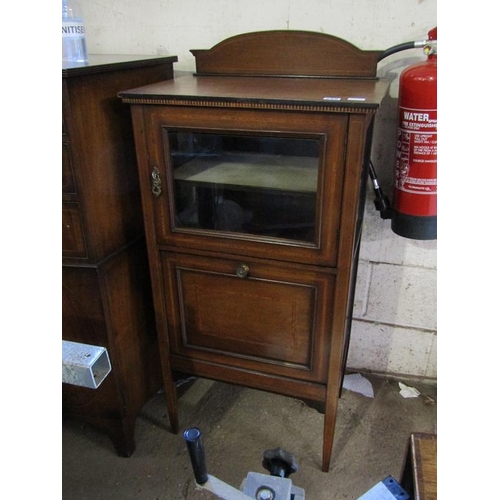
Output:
x,y
249,314
246,182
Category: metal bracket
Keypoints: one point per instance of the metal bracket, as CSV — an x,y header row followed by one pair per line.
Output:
x,y
84,365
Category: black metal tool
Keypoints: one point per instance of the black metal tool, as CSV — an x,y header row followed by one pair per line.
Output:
x,y
279,462
196,450
256,486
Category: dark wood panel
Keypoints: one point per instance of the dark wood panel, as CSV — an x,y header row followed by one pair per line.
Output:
x,y
83,321
287,53
247,378
68,177
73,240
275,320
130,316
105,63
262,319
99,128
110,306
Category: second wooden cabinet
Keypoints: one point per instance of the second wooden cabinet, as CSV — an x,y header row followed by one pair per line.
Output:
x,y
106,290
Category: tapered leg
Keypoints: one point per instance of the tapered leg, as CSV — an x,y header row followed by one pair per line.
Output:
x,y
121,433
327,443
168,380
329,431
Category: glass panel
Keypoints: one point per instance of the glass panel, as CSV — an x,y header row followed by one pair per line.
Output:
x,y
256,185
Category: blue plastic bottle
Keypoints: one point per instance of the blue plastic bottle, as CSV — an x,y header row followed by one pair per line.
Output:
x,y
74,44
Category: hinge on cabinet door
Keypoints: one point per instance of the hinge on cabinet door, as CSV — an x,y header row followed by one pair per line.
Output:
x,y
156,181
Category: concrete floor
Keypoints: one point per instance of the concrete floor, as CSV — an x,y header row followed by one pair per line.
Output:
x,y
238,425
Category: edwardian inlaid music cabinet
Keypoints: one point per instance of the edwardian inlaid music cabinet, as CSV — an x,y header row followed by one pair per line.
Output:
x,y
253,174
106,289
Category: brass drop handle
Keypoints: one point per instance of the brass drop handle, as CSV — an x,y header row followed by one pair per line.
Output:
x,y
156,182
242,271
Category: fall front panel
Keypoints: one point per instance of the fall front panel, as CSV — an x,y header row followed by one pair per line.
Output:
x,y
249,314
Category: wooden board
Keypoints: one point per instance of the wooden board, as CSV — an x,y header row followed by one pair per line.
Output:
x,y
287,53
420,474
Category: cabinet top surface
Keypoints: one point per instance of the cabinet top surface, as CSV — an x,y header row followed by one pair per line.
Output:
x,y
186,88
99,63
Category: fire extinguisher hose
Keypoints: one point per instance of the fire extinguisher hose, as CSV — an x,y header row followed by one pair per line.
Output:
x,y
402,46
382,203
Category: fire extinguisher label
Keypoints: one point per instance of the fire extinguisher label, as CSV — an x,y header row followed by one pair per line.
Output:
x,y
416,156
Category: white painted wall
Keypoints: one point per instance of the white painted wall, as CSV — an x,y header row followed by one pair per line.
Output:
x,y
394,327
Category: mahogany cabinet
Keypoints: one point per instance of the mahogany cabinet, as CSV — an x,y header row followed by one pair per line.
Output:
x,y
252,173
106,289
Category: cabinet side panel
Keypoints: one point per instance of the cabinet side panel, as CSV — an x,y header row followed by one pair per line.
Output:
x,y
68,177
130,315
73,239
83,321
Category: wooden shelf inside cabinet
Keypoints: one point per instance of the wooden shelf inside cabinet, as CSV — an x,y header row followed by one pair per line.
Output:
x,y
106,289
270,172
252,175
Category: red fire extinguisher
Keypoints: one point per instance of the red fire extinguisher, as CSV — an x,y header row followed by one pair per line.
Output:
x,y
414,207
415,183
